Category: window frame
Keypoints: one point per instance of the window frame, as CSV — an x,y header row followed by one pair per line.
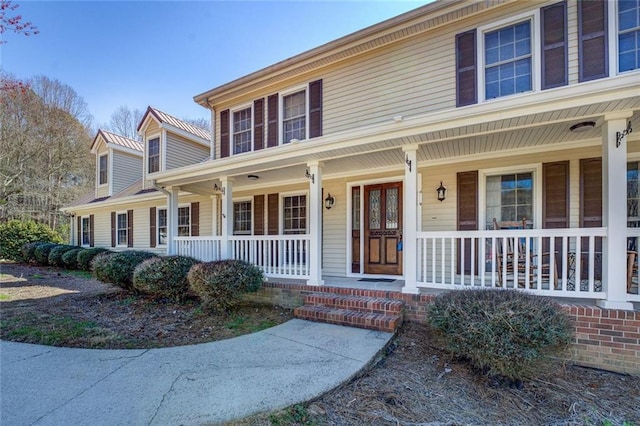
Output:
x,y
281,119
106,169
281,208
238,201
88,231
125,229
159,155
232,133
158,227
533,17
181,207
614,42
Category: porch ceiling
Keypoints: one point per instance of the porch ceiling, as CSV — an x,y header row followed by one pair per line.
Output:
x,y
545,129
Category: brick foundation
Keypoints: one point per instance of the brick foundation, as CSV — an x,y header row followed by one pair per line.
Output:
x,y
604,338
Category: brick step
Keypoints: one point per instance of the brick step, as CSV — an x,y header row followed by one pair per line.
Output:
x,y
356,303
351,318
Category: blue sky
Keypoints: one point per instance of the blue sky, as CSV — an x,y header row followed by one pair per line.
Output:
x,y
164,53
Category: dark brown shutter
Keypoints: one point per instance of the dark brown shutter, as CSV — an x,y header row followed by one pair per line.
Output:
x,y
272,120
79,228
466,85
467,220
592,39
129,228
590,192
554,45
113,229
152,227
195,219
315,109
272,213
258,215
258,124
91,230
225,137
555,195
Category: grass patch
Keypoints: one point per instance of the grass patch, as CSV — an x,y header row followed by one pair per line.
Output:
x,y
37,276
81,274
248,325
4,296
294,415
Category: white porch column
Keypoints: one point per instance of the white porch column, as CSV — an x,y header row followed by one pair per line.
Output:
x,y
227,215
172,219
315,223
614,212
410,220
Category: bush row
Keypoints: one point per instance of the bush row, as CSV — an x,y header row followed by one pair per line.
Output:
x,y
60,255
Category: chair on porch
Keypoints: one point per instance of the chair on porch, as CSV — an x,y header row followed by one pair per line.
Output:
x,y
506,251
632,262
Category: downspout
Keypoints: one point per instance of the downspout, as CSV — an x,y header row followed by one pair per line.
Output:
x,y
212,145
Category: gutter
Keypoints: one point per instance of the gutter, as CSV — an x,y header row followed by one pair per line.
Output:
x,y
154,185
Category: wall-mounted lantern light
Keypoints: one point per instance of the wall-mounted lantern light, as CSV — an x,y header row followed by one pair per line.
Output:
x,y
329,202
442,192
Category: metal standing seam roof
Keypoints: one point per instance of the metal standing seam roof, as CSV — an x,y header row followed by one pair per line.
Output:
x,y
121,140
163,117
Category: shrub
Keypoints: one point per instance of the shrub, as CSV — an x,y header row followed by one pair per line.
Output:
x,y
502,332
55,255
86,256
15,234
221,284
41,253
118,267
164,276
29,251
99,263
70,258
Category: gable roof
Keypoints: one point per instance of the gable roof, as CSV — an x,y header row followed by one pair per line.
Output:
x,y
163,117
118,140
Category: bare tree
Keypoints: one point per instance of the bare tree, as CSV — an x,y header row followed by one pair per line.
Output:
x,y
11,22
202,123
124,121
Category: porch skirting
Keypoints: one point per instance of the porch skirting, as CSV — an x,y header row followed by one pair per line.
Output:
x,y
608,339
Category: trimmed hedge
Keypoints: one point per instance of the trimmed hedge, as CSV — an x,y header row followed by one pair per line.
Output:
x,y
221,284
15,234
99,264
164,276
55,255
86,256
41,253
117,268
70,258
29,251
502,332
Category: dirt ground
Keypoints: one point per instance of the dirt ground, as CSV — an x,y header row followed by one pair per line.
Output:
x,y
414,384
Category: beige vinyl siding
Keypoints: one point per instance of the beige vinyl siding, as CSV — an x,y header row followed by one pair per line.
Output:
x,y
102,191
572,35
182,152
127,169
152,128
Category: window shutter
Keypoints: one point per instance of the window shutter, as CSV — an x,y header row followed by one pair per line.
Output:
x,y
590,192
258,124
91,230
272,214
195,219
592,39
272,120
152,227
554,45
113,229
466,78
129,228
258,215
467,205
315,109
555,198
225,137
79,228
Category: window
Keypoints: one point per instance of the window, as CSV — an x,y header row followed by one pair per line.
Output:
x,y
121,230
628,35
162,226
102,169
184,221
242,131
508,60
242,218
295,214
86,231
509,198
294,116
153,153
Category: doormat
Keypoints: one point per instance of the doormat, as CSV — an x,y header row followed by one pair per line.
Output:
x,y
377,280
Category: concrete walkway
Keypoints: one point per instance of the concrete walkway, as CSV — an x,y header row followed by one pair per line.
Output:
x,y
186,385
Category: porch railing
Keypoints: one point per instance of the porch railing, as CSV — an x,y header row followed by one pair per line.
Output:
x,y
553,262
285,256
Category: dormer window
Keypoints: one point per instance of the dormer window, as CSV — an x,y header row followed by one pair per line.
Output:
x,y
103,167
153,155
294,116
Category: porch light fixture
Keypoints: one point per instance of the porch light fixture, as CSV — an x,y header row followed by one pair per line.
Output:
x,y
582,127
310,176
329,202
217,188
253,177
442,192
622,134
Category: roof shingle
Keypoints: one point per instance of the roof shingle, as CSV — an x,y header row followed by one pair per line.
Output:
x,y
163,117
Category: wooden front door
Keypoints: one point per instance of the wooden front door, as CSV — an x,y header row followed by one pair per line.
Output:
x,y
383,229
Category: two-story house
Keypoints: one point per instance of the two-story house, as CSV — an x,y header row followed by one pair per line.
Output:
x,y
403,152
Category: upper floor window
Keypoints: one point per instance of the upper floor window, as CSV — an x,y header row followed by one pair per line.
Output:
x,y
153,154
294,116
86,231
242,131
184,221
121,230
242,218
508,60
103,167
628,35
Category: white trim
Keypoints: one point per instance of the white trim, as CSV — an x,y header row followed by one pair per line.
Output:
x,y
232,111
98,184
535,169
81,236
166,209
281,96
124,149
117,242
185,134
613,44
146,153
110,172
